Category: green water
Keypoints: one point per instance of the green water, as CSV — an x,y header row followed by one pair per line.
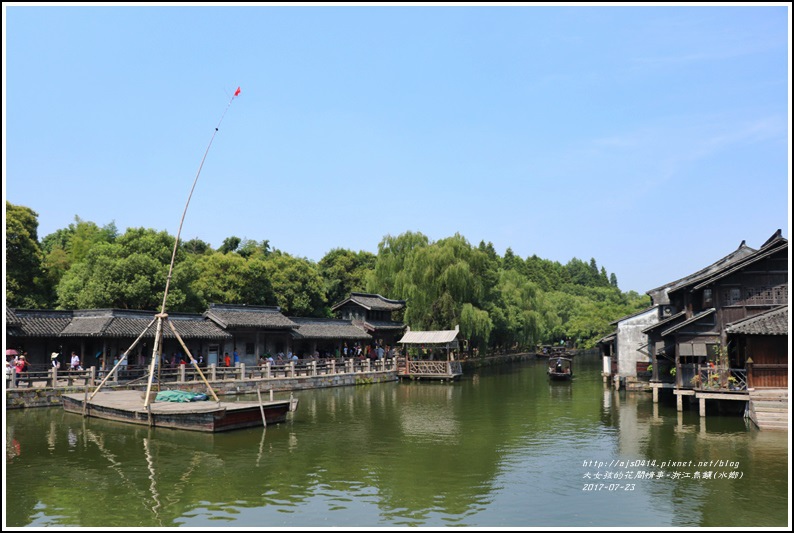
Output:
x,y
503,447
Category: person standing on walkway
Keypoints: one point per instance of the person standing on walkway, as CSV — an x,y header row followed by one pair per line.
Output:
x,y
227,360
22,368
75,361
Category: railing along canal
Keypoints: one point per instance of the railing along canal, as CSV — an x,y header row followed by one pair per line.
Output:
x,y
129,374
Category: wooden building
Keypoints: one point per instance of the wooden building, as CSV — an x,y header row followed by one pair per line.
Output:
x,y
325,336
695,337
100,335
374,314
254,330
762,342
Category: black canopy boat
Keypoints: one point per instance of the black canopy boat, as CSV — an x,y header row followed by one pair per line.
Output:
x,y
560,368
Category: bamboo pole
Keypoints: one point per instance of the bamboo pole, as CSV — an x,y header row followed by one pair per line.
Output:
x,y
124,356
192,360
158,336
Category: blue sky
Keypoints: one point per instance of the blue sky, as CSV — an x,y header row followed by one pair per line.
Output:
x,y
651,138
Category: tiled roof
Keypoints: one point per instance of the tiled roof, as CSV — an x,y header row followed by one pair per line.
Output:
x,y
772,322
39,323
665,322
381,325
124,323
636,313
702,314
659,294
371,302
11,317
248,316
776,247
606,340
327,328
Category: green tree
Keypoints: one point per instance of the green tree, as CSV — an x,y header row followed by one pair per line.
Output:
x,y
298,286
345,271
389,277
129,273
230,244
24,258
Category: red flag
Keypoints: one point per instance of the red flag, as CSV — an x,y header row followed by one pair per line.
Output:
x,y
237,92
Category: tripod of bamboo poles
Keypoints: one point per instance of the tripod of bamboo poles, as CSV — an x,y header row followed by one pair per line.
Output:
x,y
162,316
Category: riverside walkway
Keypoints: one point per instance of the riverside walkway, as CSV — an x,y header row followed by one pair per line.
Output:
x,y
44,388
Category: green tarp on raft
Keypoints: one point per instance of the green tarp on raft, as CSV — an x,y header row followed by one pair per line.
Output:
x,y
179,396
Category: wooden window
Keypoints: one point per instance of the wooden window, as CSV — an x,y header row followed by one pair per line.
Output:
x,y
708,299
731,295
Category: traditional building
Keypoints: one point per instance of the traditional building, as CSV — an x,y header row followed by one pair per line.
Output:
x,y
707,365
762,342
326,336
374,314
255,330
100,335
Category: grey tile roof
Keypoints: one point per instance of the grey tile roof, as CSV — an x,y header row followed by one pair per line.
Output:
x,y
659,294
124,323
665,322
39,323
327,328
780,245
772,322
381,325
248,316
371,302
695,318
632,315
11,317
607,339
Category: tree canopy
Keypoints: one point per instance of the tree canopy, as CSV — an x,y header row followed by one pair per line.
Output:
x,y
498,302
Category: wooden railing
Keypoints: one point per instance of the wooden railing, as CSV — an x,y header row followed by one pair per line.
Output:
x,y
719,379
434,367
129,374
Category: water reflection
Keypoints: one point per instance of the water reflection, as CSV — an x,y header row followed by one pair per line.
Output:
x,y
502,447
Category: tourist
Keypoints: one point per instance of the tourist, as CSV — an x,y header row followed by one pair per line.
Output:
x,y
55,363
75,362
227,360
21,368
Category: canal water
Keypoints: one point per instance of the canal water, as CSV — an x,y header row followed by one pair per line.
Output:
x,y
503,447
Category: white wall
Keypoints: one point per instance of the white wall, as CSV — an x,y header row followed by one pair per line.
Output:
x,y
630,340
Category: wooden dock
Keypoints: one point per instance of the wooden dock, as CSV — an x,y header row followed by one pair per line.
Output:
x,y
207,416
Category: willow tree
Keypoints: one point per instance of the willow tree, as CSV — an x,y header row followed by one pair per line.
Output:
x,y
389,277
476,326
521,310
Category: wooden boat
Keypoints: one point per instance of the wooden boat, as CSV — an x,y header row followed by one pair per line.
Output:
x,y
548,351
207,416
135,407
560,368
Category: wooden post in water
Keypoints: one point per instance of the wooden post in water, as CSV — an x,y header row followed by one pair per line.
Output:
x,y
261,407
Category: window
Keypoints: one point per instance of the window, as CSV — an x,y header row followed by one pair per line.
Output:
x,y
731,295
708,300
